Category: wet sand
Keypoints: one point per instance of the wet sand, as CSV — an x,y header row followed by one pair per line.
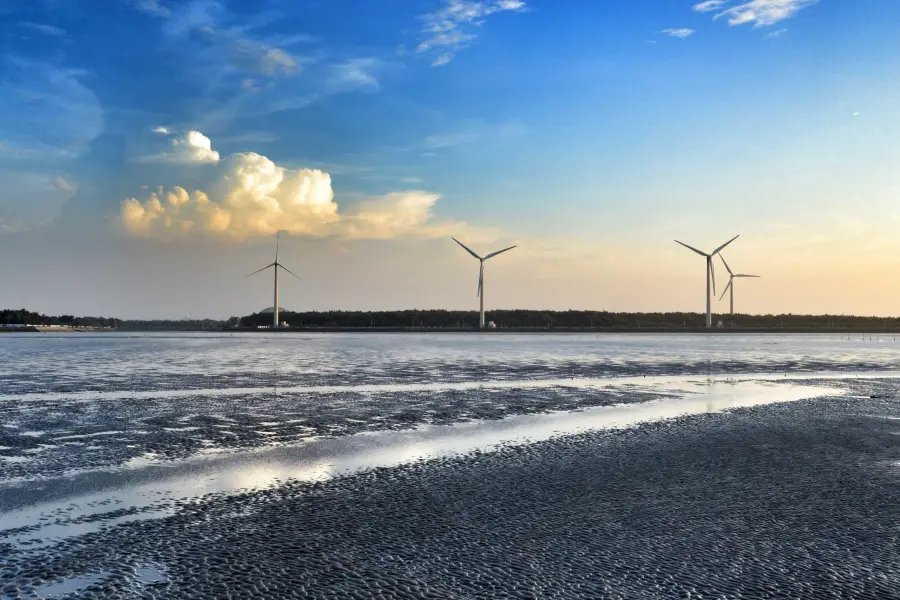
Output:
x,y
791,499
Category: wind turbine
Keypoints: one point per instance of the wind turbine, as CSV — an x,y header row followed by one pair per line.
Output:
x,y
731,279
480,293
277,265
710,275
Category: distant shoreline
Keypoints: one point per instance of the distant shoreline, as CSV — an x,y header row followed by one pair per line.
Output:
x,y
861,332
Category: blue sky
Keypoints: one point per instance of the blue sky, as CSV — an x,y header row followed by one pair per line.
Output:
x,y
182,134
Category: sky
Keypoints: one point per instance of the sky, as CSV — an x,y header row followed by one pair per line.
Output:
x,y
151,149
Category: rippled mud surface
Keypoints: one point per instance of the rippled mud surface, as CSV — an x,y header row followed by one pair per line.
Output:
x,y
518,477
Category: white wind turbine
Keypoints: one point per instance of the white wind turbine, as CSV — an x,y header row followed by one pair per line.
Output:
x,y
710,275
731,279
480,293
277,265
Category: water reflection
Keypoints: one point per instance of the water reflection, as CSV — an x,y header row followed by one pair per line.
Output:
x,y
152,490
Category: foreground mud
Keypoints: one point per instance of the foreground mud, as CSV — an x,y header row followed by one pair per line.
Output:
x,y
781,501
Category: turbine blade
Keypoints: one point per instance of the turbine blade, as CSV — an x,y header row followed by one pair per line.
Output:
x,y
498,252
260,270
726,290
691,248
726,265
720,248
753,276
469,250
289,271
277,240
712,268
480,280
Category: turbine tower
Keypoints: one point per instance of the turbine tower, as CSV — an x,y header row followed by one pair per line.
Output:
x,y
480,293
710,275
730,286
276,265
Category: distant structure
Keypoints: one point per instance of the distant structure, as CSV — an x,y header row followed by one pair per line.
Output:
x,y
480,293
710,275
730,286
275,265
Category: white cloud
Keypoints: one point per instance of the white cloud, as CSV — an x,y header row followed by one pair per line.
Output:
x,y
253,196
161,130
411,180
355,73
43,28
761,13
451,27
678,33
152,8
777,33
254,56
192,147
710,5
442,60
63,184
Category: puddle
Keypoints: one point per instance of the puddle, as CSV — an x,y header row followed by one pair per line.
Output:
x,y
58,589
151,488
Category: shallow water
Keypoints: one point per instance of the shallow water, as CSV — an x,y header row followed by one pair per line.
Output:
x,y
40,363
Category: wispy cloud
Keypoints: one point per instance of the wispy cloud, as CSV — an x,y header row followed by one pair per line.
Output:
x,y
777,33
57,115
43,28
759,13
678,33
451,140
453,26
472,134
152,7
206,18
63,184
710,5
356,73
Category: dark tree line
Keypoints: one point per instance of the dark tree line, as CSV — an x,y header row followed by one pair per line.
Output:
x,y
450,319
26,317
571,319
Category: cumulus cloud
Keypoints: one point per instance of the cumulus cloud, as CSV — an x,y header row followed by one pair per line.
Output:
x,y
192,147
450,28
678,33
761,13
253,196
